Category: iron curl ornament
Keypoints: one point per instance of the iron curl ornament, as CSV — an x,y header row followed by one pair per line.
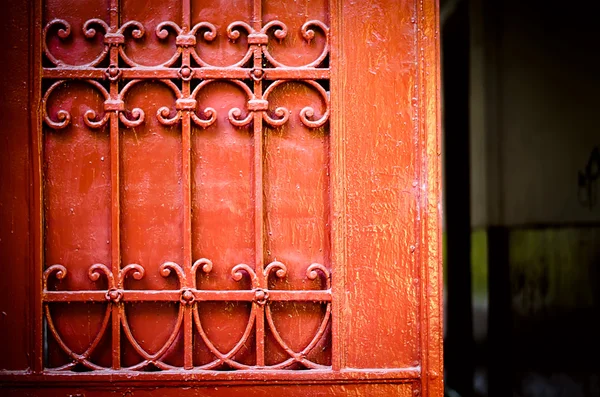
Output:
x,y
62,119
185,40
113,73
258,40
64,32
169,117
280,31
187,297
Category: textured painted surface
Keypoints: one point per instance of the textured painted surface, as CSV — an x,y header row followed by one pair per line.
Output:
x,y
430,204
222,215
14,188
372,390
357,194
381,197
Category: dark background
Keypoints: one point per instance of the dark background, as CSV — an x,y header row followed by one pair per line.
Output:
x,y
522,210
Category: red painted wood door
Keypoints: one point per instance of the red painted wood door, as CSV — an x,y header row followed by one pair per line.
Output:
x,y
226,198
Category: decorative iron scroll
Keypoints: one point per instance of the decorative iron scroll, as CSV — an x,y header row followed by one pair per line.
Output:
x,y
187,296
113,73
115,40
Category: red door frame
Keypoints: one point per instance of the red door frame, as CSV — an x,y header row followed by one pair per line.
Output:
x,y
355,359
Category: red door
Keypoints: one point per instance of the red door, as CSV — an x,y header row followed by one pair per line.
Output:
x,y
227,198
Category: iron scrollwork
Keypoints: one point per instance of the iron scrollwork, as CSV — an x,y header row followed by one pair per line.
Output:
x,y
186,42
113,73
188,296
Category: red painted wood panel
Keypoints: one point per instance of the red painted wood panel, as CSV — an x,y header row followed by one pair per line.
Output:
x,y
222,51
381,216
297,214
14,189
223,217
371,390
78,50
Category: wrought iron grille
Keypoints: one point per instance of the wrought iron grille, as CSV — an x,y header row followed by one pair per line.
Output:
x,y
113,73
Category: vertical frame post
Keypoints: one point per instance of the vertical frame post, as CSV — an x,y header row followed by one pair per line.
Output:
x,y
37,218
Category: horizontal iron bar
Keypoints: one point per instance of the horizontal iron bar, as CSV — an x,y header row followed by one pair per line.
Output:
x,y
184,377
306,295
199,295
206,73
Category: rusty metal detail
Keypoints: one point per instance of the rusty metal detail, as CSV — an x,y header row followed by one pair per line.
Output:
x,y
113,73
193,68
187,296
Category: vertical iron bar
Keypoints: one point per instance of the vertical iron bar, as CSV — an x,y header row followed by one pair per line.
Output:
x,y
115,193
186,15
258,193
187,204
